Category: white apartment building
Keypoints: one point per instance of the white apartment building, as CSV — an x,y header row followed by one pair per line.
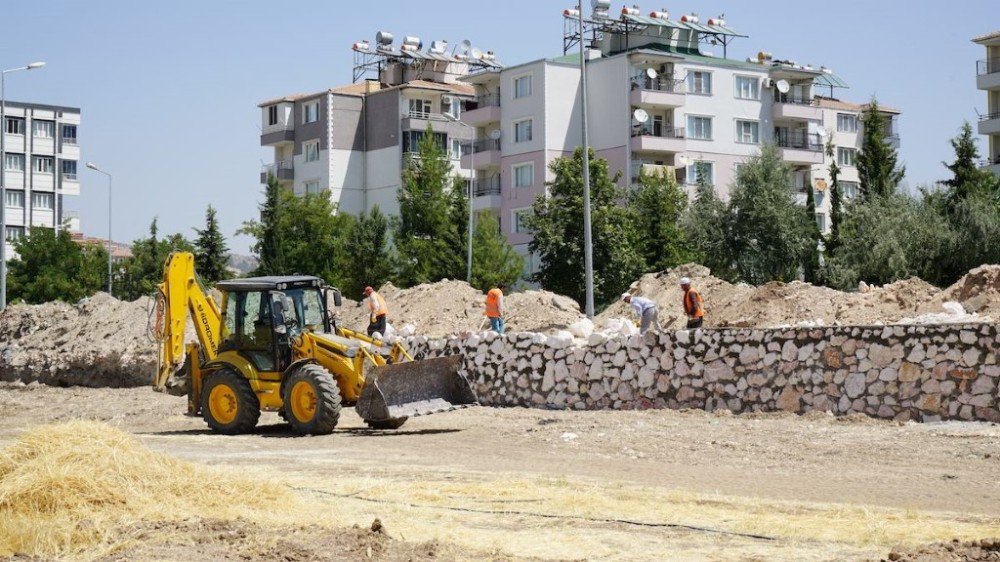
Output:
x,y
988,80
40,166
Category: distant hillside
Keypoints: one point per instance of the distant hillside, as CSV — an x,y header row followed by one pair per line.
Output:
x,y
241,265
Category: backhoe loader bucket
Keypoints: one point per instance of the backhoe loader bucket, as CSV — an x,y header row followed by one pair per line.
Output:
x,y
415,388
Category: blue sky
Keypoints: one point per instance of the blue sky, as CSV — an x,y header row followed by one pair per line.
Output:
x,y
169,89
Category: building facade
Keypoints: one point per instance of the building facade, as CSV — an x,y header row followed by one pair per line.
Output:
x,y
988,80
40,165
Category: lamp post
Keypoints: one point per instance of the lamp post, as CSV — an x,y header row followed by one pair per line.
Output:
x,y
472,182
3,182
588,248
92,166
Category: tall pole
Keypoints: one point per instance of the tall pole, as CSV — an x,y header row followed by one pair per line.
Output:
x,y
588,249
472,190
94,167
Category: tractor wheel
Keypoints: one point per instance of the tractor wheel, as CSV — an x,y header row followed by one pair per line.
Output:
x,y
228,403
312,400
386,424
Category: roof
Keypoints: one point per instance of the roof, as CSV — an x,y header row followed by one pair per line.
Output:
x,y
986,37
29,105
831,103
284,99
270,283
457,88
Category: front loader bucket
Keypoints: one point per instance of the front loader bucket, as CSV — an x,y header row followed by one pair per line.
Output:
x,y
415,388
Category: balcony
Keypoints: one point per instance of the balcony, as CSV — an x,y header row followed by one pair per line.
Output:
x,y
483,109
658,138
282,170
486,193
652,170
988,74
418,120
791,107
661,92
798,147
993,165
483,153
989,124
277,134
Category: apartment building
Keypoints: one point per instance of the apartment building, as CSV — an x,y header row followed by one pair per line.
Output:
x,y
40,166
988,80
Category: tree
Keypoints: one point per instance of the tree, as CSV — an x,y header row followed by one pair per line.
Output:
x,y
968,179
458,233
810,257
144,270
836,200
211,255
51,267
658,205
267,248
494,260
877,162
769,234
706,224
556,223
368,258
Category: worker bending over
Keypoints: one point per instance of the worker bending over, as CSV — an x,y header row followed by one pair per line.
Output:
x,y
645,309
693,305
495,309
378,312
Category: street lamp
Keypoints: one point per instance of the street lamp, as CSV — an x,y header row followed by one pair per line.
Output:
x,y
3,182
588,248
472,181
92,166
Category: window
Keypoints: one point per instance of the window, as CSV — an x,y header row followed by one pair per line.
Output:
x,y
15,126
522,130
272,115
699,83
312,187
847,123
14,233
43,164
522,86
42,201
411,141
705,168
846,156
800,179
455,108
15,198
747,88
44,129
311,151
748,132
456,148
849,189
699,127
310,112
69,169
519,220
14,162
821,221
524,175
69,134
420,108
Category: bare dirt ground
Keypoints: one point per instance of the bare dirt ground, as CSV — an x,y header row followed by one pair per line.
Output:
x,y
612,485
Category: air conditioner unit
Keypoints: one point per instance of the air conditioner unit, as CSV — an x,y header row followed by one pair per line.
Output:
x,y
447,99
767,82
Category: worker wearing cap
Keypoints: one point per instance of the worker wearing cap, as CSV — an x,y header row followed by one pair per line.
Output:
x,y
645,309
693,305
378,311
495,309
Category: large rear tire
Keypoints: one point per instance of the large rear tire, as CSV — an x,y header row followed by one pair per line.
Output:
x,y
386,424
228,403
312,400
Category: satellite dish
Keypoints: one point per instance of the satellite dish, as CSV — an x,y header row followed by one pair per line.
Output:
x,y
640,115
466,46
651,73
782,86
821,131
495,134
476,54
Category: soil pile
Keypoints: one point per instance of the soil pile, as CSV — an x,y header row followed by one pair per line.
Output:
x,y
978,291
954,551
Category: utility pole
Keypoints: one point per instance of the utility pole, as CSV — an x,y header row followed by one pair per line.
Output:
x,y
588,249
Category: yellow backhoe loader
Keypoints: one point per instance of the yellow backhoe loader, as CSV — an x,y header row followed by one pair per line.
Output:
x,y
275,345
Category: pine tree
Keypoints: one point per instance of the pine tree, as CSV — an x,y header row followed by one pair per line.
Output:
x,y
368,257
267,248
877,162
211,255
810,258
706,224
144,270
968,179
836,200
658,205
458,233
494,260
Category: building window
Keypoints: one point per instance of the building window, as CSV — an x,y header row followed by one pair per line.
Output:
x,y
14,162
456,148
846,156
310,112
311,150
848,189
312,187
14,233
272,115
69,169
699,83
69,134
847,123
747,88
699,127
44,129
705,168
524,175
821,221
522,130
522,86
747,132
519,220
420,108
42,201
411,141
15,198
43,164
15,126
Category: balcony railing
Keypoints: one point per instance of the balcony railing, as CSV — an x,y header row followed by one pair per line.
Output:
x,y
988,116
482,145
69,140
487,186
658,84
69,176
661,131
989,66
487,100
797,100
798,140
278,167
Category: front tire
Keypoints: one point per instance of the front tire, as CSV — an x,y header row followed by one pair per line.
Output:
x,y
228,403
312,400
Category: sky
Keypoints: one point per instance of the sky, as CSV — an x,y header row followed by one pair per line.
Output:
x,y
169,90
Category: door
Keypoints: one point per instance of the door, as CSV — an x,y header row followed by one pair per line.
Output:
x,y
254,329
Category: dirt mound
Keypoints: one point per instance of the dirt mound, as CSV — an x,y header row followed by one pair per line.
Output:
x,y
954,551
978,291
448,307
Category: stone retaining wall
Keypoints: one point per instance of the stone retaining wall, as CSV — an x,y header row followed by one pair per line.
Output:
x,y
899,372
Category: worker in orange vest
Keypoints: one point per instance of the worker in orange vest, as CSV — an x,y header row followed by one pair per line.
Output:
x,y
378,312
495,309
693,304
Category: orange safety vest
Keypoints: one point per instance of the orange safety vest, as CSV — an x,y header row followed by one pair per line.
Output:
x,y
382,309
693,304
493,303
